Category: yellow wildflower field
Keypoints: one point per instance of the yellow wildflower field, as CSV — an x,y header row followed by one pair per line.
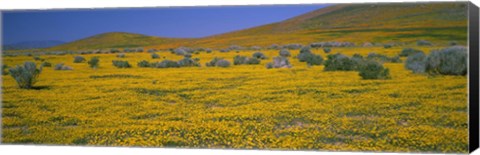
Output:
x,y
239,107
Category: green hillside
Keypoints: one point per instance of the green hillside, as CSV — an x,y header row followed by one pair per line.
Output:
x,y
114,40
358,23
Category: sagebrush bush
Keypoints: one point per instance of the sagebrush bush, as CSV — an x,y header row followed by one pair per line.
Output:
x,y
284,53
155,56
424,43
416,62
121,64
327,50
212,62
293,46
188,62
208,50
259,55
143,64
121,55
448,61
239,60
61,66
94,62
279,62
383,58
78,59
167,64
180,51
373,70
46,64
339,62
222,63
307,56
408,51
305,49
25,75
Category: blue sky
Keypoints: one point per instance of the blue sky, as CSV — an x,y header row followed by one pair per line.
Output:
x,y
178,22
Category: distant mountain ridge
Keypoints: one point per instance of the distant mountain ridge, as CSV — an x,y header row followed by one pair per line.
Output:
x,y
32,44
375,22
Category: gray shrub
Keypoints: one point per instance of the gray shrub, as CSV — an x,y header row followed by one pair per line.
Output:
x,y
78,59
25,75
121,64
188,62
279,62
222,63
61,66
327,50
239,60
143,64
373,70
416,62
155,56
166,64
339,62
284,53
259,55
448,61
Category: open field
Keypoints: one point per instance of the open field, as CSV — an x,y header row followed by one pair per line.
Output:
x,y
245,106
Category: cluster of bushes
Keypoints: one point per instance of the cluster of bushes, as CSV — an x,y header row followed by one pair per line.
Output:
x,y
340,62
187,50
409,51
367,68
447,61
155,56
327,50
284,53
332,44
121,64
259,55
61,66
280,61
274,47
78,59
292,46
218,62
133,50
187,61
383,58
310,58
239,60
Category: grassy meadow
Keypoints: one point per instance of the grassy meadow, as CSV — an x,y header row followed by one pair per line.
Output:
x,y
239,107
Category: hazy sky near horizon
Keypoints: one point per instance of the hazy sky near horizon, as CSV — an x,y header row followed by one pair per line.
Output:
x,y
177,22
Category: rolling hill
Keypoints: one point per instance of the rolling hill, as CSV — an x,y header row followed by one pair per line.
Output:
x,y
32,44
358,23
114,40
